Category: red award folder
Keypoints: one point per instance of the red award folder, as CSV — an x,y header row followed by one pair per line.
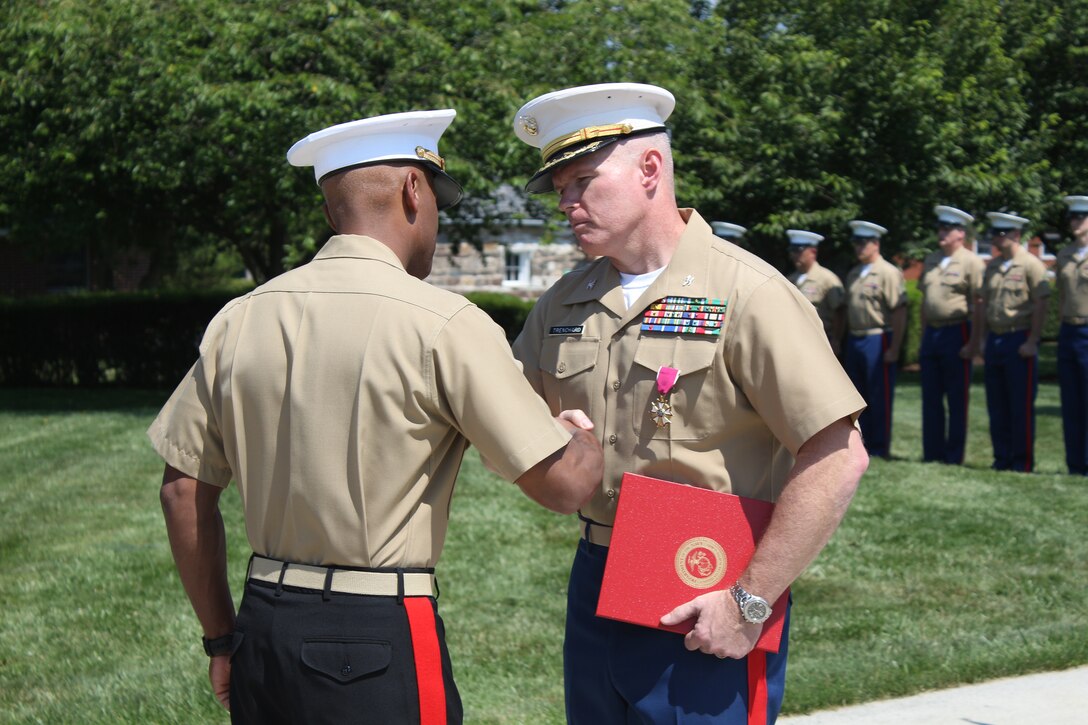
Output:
x,y
672,543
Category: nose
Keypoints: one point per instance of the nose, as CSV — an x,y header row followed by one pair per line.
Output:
x,y
567,201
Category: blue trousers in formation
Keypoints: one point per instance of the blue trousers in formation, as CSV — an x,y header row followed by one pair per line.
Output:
x,y
616,673
946,380
1073,380
1011,385
863,360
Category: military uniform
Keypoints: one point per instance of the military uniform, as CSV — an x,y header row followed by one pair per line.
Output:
x,y
1072,275
745,401
949,285
1011,288
824,290
872,297
340,397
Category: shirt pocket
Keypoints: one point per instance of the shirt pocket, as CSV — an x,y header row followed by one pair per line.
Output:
x,y
567,364
692,398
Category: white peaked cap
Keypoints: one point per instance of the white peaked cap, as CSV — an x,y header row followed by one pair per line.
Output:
x,y
867,229
1077,203
1001,220
802,238
573,122
411,136
952,215
728,230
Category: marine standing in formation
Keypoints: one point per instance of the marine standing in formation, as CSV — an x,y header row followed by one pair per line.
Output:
x,y
1015,293
1072,273
950,284
877,319
818,284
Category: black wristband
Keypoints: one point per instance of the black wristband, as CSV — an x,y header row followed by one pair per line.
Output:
x,y
218,646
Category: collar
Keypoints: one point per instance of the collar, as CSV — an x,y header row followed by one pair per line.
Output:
x,y
685,275
356,246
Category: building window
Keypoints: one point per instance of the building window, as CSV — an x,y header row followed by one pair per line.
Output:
x,y
518,266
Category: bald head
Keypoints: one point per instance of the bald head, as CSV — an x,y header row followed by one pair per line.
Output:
x,y
365,194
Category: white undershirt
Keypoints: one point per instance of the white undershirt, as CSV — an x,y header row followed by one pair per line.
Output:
x,y
945,262
866,269
635,284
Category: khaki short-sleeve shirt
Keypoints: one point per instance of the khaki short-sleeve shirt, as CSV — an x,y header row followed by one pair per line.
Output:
x,y
949,292
745,400
871,299
1011,291
824,290
1073,282
340,397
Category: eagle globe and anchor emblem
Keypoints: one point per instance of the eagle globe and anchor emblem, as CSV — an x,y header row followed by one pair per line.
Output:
x,y
701,562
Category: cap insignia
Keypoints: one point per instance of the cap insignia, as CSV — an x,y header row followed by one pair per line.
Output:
x,y
428,155
529,125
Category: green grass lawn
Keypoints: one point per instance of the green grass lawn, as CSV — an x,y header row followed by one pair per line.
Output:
x,y
939,575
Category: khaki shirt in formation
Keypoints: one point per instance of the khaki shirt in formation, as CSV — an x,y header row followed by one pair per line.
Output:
x,y
745,400
949,292
1073,283
870,300
824,290
340,396
1011,291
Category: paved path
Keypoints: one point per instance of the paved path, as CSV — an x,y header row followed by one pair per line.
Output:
x,y
1053,698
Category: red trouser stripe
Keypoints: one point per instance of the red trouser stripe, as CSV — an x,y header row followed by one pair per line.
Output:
x,y
1029,404
757,687
428,657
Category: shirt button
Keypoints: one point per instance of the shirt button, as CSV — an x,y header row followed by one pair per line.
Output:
x,y
561,367
612,439
611,493
616,385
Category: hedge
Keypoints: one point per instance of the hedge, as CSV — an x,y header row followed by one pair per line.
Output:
x,y
144,340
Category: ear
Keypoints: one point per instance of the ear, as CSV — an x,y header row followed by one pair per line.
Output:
x,y
652,166
410,193
328,218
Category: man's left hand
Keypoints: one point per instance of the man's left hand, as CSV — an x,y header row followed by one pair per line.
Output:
x,y
1028,349
891,356
719,629
219,675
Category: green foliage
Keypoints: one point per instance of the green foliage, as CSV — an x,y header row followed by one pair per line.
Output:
x,y
508,311
162,125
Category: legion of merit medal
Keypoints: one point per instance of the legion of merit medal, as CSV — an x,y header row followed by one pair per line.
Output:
x,y
661,409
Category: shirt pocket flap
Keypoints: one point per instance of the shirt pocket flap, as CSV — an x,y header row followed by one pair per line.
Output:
x,y
562,358
687,354
346,660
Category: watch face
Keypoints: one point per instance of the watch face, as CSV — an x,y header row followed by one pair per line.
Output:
x,y
756,612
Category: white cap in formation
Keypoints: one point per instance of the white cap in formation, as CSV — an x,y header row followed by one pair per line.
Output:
x,y
1077,204
802,238
411,136
952,215
728,230
1001,220
573,122
867,229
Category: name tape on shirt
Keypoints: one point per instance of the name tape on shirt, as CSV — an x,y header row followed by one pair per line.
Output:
x,y
687,315
566,330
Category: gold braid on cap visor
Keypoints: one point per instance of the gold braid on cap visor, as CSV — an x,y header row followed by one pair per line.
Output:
x,y
585,134
428,155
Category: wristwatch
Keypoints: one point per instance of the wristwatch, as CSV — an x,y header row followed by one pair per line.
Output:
x,y
219,646
755,610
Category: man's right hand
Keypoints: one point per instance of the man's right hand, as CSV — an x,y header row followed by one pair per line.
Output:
x,y
219,675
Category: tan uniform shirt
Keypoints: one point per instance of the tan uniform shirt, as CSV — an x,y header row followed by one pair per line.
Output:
x,y
870,300
340,396
949,292
1073,284
1011,292
824,290
745,400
